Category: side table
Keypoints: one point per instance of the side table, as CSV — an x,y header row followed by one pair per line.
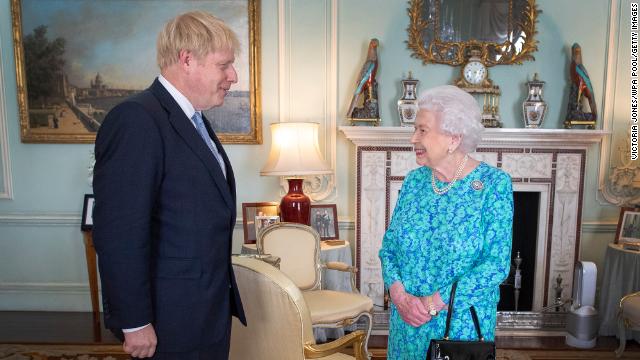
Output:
x,y
621,276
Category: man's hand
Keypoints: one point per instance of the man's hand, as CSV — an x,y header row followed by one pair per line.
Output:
x,y
411,309
141,343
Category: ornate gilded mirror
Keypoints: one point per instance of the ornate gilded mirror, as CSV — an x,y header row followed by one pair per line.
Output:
x,y
442,31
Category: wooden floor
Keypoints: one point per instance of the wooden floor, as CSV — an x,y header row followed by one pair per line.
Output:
x,y
77,328
52,327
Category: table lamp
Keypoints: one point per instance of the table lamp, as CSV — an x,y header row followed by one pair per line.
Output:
x,y
295,153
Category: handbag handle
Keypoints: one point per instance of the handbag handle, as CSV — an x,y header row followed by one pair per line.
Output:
x,y
450,310
474,316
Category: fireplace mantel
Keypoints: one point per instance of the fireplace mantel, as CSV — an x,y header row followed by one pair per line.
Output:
x,y
548,161
396,135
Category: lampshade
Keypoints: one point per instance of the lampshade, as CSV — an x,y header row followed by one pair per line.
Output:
x,y
295,151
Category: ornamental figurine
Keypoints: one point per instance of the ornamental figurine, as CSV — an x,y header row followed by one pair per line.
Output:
x,y
367,110
581,108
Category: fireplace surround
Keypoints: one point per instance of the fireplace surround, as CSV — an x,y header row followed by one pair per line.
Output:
x,y
548,161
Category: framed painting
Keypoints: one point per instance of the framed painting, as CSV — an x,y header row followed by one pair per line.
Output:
x,y
263,212
324,219
77,59
628,225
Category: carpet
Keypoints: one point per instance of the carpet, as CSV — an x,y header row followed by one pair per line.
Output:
x,y
114,352
61,352
561,355
522,354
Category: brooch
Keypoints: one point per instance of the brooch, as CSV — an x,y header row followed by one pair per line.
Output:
x,y
477,185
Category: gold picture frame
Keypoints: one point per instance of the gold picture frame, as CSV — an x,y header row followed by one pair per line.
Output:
x,y
67,105
427,44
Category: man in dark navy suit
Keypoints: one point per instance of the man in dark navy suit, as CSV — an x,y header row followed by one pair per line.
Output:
x,y
166,202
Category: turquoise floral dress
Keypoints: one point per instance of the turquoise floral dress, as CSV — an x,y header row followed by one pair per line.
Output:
x,y
434,240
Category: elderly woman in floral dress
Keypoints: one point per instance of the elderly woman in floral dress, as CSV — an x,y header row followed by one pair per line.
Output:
x,y
452,222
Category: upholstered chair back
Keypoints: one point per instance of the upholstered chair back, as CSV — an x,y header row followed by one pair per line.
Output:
x,y
278,319
298,247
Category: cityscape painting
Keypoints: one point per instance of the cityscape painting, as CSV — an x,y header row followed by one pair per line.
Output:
x,y
77,59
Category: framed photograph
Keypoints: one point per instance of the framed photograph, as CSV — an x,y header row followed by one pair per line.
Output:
x,y
324,218
249,213
77,59
262,221
87,212
628,225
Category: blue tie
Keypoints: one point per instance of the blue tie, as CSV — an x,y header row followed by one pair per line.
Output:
x,y
202,130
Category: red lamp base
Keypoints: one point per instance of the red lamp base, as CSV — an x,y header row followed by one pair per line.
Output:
x,y
295,205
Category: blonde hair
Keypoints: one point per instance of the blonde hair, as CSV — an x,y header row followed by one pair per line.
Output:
x,y
198,32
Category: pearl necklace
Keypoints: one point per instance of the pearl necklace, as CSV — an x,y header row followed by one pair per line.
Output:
x,y
455,178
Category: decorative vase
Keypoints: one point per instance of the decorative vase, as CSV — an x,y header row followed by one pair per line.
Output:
x,y
295,205
534,108
408,103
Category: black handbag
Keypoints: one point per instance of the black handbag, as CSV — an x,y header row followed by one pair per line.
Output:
x,y
445,349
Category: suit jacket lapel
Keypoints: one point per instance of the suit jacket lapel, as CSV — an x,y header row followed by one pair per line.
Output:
x,y
231,181
227,163
189,134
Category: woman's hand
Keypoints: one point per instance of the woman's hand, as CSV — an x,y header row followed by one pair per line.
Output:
x,y
433,302
437,301
411,309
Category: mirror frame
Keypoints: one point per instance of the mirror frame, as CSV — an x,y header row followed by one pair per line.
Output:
x,y
434,53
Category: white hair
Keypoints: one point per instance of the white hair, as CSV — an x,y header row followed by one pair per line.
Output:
x,y
458,113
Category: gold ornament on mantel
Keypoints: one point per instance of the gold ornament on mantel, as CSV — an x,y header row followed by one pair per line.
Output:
x,y
474,79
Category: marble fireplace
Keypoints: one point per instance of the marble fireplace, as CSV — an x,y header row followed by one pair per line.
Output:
x,y
550,162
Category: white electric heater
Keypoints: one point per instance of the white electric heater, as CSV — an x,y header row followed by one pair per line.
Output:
x,y
582,319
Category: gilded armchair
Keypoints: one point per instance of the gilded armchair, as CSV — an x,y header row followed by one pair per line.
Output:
x,y
298,247
628,318
278,321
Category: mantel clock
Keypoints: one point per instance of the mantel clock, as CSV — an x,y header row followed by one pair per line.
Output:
x,y
474,79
